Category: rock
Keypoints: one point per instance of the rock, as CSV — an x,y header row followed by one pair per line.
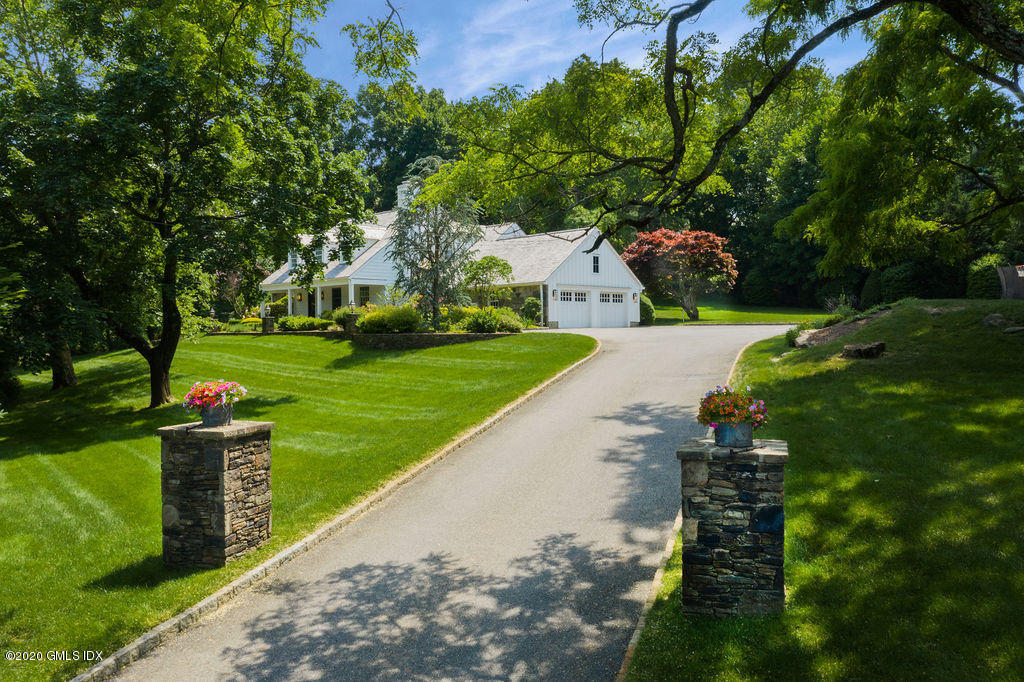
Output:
x,y
1013,330
863,350
803,339
995,320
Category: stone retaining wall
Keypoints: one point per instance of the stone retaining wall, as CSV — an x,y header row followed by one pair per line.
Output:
x,y
733,528
215,485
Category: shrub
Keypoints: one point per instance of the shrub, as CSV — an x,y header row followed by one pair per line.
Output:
x,y
251,320
757,289
871,292
531,309
278,308
451,315
301,323
491,320
982,278
647,312
791,334
898,282
390,319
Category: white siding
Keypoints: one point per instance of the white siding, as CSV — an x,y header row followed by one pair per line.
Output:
x,y
377,269
576,273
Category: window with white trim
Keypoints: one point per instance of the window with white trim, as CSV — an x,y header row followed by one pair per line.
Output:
x,y
616,298
580,296
364,295
565,296
293,260
597,264
606,297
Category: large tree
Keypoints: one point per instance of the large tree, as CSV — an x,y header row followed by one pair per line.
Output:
x,y
632,146
432,244
144,137
682,265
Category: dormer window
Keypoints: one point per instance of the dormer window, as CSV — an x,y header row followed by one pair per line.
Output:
x,y
293,260
319,253
597,264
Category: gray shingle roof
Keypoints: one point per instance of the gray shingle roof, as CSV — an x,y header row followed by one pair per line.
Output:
x,y
533,257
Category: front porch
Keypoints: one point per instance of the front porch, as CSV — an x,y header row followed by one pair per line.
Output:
x,y
324,297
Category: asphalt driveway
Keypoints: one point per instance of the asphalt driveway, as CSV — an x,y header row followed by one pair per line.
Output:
x,y
527,554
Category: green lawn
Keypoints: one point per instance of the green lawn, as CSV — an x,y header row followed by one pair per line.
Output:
x,y
904,509
80,556
726,312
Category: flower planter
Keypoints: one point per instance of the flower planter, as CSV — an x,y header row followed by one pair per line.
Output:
x,y
217,415
738,435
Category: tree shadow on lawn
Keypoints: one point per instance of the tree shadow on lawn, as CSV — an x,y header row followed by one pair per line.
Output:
x,y
904,538
148,572
84,415
564,613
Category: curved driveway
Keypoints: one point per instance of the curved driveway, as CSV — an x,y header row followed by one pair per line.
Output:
x,y
526,554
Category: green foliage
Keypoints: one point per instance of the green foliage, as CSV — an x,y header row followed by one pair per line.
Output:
x,y
431,243
148,139
531,309
757,289
647,312
394,134
982,278
804,325
391,320
484,279
871,292
300,323
490,321
898,282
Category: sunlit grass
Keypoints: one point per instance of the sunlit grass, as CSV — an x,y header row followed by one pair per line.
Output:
x,y
80,548
727,312
904,500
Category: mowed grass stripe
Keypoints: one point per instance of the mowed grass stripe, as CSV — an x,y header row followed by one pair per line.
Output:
x,y
79,468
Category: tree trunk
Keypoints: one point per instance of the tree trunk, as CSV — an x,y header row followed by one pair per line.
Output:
x,y
160,379
692,313
62,366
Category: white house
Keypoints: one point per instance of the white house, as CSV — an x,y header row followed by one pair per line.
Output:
x,y
577,289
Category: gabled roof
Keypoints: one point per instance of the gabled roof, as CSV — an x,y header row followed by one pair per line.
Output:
x,y
533,257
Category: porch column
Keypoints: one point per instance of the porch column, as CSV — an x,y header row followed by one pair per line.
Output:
x,y
263,308
319,302
351,294
543,304
290,296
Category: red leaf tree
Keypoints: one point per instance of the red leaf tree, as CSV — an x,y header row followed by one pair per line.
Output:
x,y
682,265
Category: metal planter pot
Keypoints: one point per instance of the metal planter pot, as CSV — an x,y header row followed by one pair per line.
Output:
x,y
738,435
219,415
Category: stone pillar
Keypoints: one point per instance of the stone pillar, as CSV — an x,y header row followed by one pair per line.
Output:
x,y
267,325
215,484
733,528
349,322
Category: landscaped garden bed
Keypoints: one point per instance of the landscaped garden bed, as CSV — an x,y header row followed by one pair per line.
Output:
x,y
904,496
80,515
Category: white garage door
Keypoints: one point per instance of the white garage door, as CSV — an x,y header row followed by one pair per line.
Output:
x,y
573,308
612,310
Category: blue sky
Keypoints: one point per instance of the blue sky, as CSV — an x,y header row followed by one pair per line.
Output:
x,y
468,45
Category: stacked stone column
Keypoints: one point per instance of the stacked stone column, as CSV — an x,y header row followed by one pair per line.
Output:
x,y
733,528
215,484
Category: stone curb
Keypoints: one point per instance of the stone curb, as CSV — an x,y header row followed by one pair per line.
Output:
x,y
652,594
166,630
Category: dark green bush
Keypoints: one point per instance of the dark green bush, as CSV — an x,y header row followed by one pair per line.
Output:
x,y
647,312
301,323
278,309
390,319
757,289
531,309
490,321
871,292
982,278
898,282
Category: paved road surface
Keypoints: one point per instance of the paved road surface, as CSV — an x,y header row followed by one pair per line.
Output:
x,y
527,554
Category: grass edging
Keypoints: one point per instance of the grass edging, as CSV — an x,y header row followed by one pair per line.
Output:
x,y
166,630
652,594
